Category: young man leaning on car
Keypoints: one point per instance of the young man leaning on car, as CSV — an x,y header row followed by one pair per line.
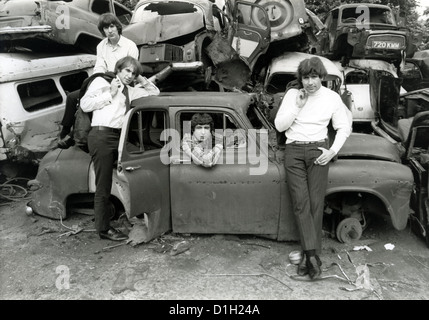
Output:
x,y
108,103
304,115
112,48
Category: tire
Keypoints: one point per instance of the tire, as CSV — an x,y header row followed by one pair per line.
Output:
x,y
280,13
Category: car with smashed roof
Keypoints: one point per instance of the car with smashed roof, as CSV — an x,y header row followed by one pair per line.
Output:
x,y
187,31
244,193
368,31
233,39
47,25
33,90
355,89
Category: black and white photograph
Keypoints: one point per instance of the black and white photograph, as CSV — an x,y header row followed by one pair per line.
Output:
x,y
214,156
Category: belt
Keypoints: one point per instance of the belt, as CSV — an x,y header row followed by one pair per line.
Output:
x,y
101,128
308,142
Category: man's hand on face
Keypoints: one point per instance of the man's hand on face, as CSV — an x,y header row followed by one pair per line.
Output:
x,y
114,86
301,98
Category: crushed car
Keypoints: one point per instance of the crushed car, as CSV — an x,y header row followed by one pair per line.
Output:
x,y
355,89
367,31
244,193
33,90
403,120
47,25
197,30
233,39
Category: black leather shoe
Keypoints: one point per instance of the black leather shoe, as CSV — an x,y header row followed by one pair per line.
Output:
x,y
113,234
313,265
302,267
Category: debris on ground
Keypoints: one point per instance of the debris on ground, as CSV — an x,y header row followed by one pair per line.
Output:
x,y
389,246
138,234
358,248
180,247
128,277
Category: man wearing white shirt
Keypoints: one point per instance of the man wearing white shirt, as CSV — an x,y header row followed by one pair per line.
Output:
x,y
108,103
304,115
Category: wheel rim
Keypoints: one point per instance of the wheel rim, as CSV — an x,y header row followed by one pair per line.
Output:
x,y
349,230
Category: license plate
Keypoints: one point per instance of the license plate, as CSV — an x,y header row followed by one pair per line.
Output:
x,y
386,45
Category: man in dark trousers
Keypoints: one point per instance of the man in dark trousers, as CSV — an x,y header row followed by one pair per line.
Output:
x,y
112,48
108,103
305,115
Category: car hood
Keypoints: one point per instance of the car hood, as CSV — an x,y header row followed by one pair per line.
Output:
x,y
360,145
162,28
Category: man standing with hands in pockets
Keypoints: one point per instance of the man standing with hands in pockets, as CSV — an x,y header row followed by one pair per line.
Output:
x,y
305,115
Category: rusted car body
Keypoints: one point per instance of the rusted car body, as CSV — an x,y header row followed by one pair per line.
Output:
x,y
355,89
403,119
366,30
288,18
198,30
48,25
33,90
245,193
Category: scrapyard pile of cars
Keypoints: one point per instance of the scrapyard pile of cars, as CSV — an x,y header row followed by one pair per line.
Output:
x,y
231,60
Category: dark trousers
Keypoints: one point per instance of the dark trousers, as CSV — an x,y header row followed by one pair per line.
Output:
x,y
307,183
103,148
70,109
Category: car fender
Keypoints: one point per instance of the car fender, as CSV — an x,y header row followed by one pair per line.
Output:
x,y
390,182
57,180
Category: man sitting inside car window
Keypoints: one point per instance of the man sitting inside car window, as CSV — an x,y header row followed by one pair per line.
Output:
x,y
198,144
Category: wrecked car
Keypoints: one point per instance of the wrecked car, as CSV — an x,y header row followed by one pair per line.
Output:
x,y
366,30
197,30
33,90
55,25
244,193
403,120
355,89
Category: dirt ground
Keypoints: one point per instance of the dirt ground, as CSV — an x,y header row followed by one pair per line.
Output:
x,y
40,261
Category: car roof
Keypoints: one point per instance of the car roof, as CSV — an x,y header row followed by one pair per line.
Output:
x,y
353,5
197,2
289,62
19,66
367,64
231,100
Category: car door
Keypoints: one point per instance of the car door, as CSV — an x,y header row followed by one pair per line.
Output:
x,y
384,95
228,198
144,178
251,35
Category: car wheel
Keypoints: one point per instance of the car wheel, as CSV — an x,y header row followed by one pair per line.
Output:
x,y
280,14
349,230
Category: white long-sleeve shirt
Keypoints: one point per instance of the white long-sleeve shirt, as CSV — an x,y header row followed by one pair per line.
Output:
x,y
310,123
108,55
109,111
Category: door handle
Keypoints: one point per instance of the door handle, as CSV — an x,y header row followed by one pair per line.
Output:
x,y
132,168
178,161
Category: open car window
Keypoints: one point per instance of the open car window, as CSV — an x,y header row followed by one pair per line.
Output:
x,y
225,128
145,131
